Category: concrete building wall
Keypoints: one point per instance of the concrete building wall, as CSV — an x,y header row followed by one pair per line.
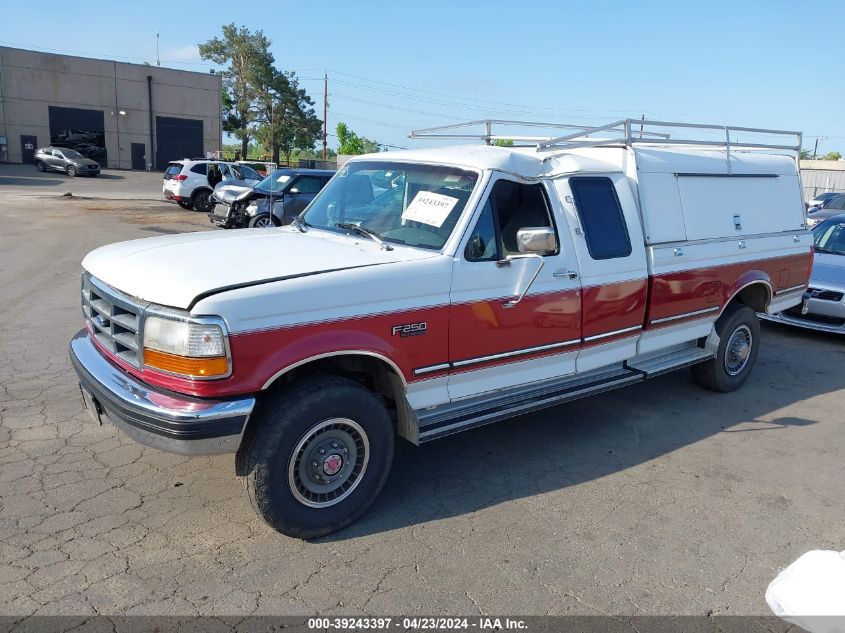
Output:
x,y
820,176
31,81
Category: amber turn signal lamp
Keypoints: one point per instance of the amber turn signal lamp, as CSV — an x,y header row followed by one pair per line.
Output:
x,y
198,367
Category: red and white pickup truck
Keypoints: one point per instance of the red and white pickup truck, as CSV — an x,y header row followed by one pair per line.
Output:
x,y
428,292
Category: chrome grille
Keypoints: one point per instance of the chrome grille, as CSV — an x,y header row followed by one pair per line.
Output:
x,y
114,319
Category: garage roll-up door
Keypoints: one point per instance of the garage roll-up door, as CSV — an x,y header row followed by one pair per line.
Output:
x,y
177,138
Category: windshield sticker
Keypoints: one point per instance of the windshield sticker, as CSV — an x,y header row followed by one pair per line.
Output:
x,y
429,208
283,179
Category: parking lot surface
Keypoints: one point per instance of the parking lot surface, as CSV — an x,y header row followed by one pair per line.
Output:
x,y
111,183
656,499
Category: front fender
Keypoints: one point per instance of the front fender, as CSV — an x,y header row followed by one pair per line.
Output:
x,y
324,345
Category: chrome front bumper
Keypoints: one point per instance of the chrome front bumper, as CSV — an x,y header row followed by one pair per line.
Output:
x,y
171,422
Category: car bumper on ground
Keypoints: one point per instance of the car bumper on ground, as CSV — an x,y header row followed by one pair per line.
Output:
x,y
171,422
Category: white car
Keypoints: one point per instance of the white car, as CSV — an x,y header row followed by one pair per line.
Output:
x,y
190,183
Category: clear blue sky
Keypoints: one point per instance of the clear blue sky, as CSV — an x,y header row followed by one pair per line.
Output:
x,y
396,65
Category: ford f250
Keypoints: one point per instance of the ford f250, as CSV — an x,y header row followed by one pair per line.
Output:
x,y
431,291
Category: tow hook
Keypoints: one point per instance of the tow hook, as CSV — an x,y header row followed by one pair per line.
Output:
x,y
805,302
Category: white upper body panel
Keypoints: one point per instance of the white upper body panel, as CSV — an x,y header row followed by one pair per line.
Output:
x,y
174,270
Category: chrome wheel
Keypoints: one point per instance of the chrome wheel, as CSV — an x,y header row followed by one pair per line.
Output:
x,y
328,462
738,350
263,223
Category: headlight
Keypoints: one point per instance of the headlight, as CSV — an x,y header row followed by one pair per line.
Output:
x,y
195,348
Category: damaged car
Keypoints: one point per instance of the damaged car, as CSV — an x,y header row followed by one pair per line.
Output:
x,y
275,201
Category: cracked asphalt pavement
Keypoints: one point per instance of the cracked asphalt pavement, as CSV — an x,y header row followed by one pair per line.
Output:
x,y
656,499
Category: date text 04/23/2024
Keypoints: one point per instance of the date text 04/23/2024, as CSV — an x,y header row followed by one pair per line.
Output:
x,y
416,623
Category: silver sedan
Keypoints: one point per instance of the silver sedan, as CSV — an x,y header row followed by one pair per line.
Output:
x,y
824,308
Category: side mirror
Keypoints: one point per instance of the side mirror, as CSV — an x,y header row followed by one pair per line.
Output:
x,y
540,240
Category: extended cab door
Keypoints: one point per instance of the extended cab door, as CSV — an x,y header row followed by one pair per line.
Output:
x,y
496,340
604,221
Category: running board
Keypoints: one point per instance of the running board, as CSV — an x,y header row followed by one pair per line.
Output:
x,y
669,362
463,415
481,410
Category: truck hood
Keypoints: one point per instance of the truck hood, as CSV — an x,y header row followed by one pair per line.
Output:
x,y
175,270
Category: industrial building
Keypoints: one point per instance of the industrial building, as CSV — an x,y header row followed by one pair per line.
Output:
x,y
124,116
820,176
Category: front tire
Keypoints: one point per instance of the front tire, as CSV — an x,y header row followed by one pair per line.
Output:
x,y
201,201
739,333
318,457
262,221
71,171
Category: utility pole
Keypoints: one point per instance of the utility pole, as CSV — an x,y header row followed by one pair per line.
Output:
x,y
816,146
325,112
158,60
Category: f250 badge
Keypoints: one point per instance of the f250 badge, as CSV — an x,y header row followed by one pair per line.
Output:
x,y
410,329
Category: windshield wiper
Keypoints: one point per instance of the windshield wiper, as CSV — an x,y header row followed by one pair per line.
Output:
x,y
299,224
362,231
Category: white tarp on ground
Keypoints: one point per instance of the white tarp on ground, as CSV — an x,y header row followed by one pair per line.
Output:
x,y
811,592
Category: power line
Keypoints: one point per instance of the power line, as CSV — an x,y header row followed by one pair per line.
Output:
x,y
454,97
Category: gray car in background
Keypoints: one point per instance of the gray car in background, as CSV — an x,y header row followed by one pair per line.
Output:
x,y
824,308
833,206
275,201
65,160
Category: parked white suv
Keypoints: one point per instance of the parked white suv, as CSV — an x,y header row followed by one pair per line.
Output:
x,y
190,183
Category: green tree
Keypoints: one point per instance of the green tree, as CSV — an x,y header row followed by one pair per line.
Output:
x,y
832,156
503,142
350,143
286,115
250,66
805,154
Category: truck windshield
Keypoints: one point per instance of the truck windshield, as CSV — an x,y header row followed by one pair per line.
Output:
x,y
403,203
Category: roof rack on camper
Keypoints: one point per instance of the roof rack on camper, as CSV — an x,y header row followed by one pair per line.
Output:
x,y
624,132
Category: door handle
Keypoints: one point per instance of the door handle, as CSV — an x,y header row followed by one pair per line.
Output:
x,y
571,274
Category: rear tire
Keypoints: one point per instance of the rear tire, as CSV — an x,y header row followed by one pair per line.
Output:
x,y
71,171
318,455
739,333
40,166
183,204
201,201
